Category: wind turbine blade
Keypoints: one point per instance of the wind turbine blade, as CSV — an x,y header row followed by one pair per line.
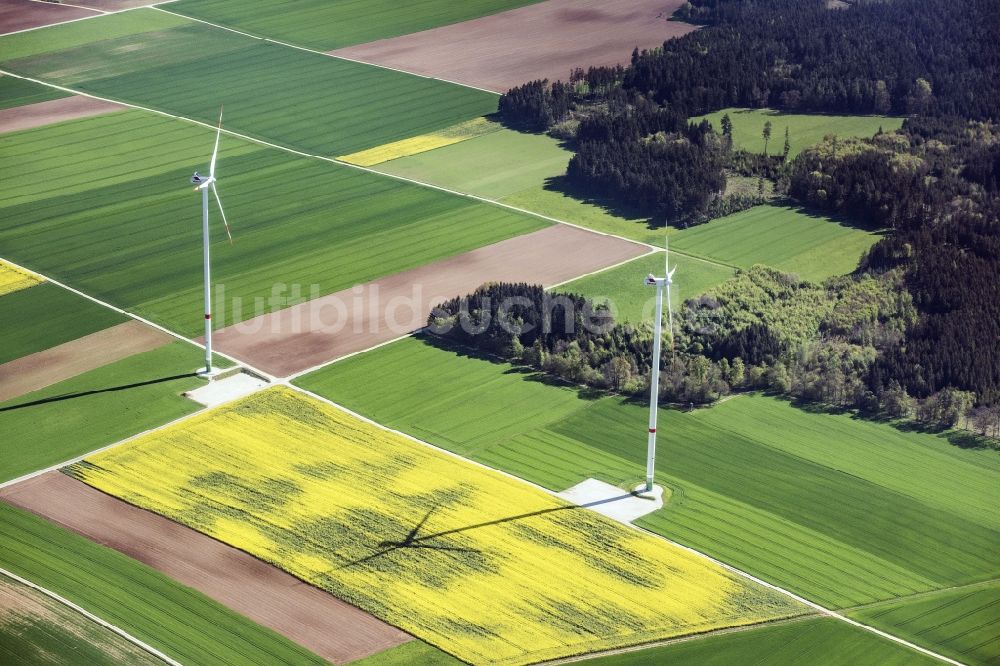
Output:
x,y
224,221
215,152
670,319
666,253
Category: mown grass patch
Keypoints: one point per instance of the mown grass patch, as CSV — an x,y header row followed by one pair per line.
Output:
x,y
488,568
288,96
97,408
804,129
960,623
841,510
175,619
329,25
123,225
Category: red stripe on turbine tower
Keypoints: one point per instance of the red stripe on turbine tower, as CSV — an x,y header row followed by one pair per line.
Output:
x,y
208,316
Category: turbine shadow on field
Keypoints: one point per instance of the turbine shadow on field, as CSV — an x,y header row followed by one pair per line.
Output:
x,y
110,389
411,540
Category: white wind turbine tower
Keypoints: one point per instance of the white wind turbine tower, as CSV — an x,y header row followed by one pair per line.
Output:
x,y
204,183
662,284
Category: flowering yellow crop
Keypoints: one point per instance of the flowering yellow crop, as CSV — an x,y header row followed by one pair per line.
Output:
x,y
486,567
422,143
15,279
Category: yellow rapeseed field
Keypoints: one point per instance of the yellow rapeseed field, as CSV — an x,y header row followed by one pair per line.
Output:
x,y
421,144
486,567
15,279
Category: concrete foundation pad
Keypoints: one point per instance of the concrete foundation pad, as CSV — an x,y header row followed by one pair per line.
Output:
x,y
613,502
219,391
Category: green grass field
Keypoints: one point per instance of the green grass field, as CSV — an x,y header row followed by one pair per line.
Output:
x,y
123,225
414,652
295,98
811,245
804,130
97,408
843,511
36,629
18,92
963,623
324,25
177,620
633,301
46,316
820,640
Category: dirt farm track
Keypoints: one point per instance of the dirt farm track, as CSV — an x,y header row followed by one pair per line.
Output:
x,y
544,40
307,615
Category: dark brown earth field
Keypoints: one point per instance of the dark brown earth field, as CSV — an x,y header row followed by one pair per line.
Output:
x,y
23,14
53,111
544,40
331,628
41,369
288,341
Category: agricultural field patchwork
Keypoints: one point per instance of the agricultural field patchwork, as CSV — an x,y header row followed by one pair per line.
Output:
x,y
960,623
18,92
14,279
545,579
46,316
622,286
791,239
751,478
812,640
97,408
804,130
35,628
124,225
187,68
421,144
330,25
175,619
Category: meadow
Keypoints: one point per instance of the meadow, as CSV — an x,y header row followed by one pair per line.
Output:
x,y
633,301
97,408
46,316
18,92
960,623
36,629
804,130
104,204
788,238
813,640
485,567
175,619
753,479
330,25
191,69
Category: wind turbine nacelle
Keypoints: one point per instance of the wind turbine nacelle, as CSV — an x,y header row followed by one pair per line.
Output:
x,y
650,280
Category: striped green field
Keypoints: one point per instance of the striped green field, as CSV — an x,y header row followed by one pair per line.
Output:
x,y
841,510
104,204
804,130
963,623
46,316
794,240
822,640
179,621
407,654
296,98
632,301
18,92
325,25
97,408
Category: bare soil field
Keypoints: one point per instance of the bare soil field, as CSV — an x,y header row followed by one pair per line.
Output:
x,y
308,334
544,40
23,14
41,369
331,628
53,111
115,5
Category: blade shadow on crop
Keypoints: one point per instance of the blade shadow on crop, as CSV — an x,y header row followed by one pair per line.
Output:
x,y
109,389
413,541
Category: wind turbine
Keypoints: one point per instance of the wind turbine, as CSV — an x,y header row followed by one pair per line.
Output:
x,y
662,284
204,183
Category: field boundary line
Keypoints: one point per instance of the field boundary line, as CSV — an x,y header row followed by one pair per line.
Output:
x,y
916,596
67,4
328,54
93,618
